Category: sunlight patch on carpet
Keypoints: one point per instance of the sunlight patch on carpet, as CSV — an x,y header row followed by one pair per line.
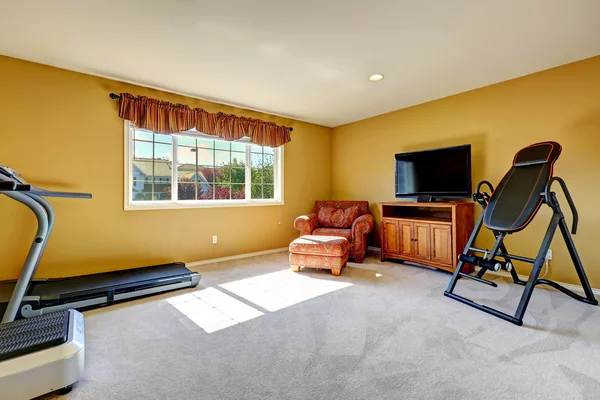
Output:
x,y
213,310
282,289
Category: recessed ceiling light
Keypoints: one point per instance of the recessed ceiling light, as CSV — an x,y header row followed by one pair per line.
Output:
x,y
376,77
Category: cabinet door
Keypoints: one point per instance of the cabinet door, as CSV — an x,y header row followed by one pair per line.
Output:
x,y
406,238
441,243
390,243
422,242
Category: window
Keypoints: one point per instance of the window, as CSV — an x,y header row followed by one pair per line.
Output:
x,y
192,169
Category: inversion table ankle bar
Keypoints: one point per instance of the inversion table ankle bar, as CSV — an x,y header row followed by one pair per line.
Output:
x,y
511,207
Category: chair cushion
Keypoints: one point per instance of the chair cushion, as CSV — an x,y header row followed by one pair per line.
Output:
x,y
330,217
320,245
345,233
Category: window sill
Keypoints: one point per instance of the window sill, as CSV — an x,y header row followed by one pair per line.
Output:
x,y
168,205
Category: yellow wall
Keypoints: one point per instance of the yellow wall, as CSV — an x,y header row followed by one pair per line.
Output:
x,y
60,130
561,104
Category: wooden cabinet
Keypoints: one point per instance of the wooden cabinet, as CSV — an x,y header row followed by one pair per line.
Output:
x,y
421,240
405,237
441,243
432,234
391,236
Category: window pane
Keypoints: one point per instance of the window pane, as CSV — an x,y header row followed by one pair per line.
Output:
x,y
238,192
256,191
186,155
160,138
222,157
238,175
268,150
222,145
207,173
162,195
268,175
142,149
223,174
186,191
143,135
268,192
140,169
237,146
257,149
238,159
257,160
205,157
186,176
205,191
186,141
222,192
141,191
268,160
206,143
162,185
163,152
256,176
151,167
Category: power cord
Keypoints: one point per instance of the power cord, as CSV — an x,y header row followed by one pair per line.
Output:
x,y
546,271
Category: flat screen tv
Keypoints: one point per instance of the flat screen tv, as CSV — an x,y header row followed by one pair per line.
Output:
x,y
437,173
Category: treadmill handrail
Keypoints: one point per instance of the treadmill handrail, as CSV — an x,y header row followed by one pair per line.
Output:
x,y
7,177
50,193
35,253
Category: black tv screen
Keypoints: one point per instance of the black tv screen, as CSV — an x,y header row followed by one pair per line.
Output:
x,y
442,173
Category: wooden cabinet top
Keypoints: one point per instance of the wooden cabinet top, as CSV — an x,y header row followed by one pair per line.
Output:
x,y
426,204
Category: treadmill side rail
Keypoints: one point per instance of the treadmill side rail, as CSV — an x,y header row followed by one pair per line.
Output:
x,y
92,291
45,371
28,311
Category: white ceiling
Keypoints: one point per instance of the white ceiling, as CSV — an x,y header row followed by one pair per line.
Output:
x,y
305,59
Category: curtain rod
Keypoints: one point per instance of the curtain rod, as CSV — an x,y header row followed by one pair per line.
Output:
x,y
115,96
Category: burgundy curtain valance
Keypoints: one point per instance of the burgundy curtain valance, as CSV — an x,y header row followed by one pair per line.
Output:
x,y
164,117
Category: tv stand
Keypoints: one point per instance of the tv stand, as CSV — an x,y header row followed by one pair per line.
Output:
x,y
428,233
424,198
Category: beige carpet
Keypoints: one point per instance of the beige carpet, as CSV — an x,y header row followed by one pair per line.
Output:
x,y
379,331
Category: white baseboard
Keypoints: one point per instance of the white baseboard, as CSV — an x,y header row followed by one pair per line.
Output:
x,y
235,257
505,274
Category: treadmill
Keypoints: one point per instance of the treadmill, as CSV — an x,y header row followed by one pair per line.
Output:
x,y
41,354
31,298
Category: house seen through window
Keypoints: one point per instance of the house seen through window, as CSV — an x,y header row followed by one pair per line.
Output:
x,y
193,168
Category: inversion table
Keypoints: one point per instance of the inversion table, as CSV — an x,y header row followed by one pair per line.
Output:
x,y
511,207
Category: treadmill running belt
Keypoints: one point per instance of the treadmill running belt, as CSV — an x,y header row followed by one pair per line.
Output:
x,y
26,336
95,283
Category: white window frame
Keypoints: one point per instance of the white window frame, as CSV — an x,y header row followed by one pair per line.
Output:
x,y
129,204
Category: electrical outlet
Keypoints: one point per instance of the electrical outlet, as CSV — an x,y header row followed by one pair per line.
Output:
x,y
549,254
215,239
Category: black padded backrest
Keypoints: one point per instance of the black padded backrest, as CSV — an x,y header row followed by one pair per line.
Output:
x,y
517,197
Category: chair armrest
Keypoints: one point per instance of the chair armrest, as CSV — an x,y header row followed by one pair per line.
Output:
x,y
362,225
306,223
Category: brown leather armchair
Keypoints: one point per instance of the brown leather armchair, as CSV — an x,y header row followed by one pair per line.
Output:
x,y
356,234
